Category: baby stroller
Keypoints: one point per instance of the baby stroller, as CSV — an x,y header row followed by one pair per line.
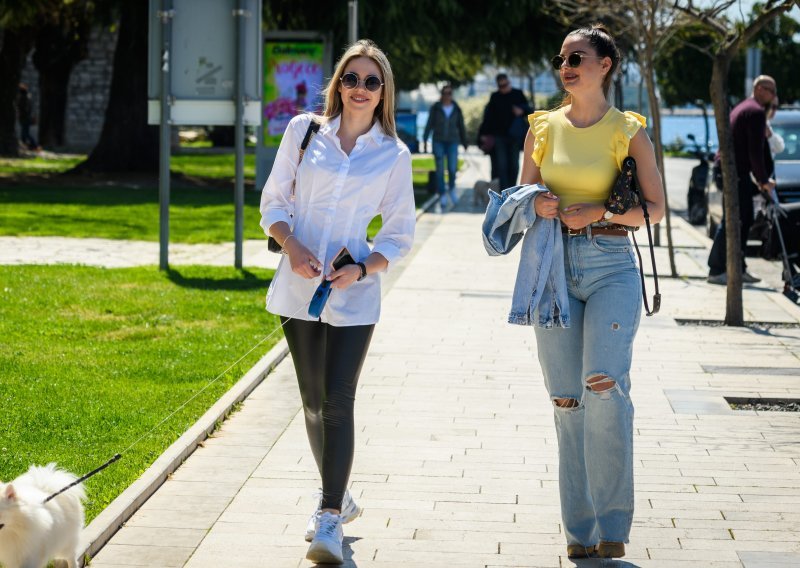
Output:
x,y
782,239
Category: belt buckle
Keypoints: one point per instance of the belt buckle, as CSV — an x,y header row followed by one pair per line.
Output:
x,y
574,232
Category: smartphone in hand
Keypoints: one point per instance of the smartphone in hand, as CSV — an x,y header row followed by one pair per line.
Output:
x,y
342,258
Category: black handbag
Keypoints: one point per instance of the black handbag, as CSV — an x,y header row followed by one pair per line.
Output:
x,y
272,244
625,194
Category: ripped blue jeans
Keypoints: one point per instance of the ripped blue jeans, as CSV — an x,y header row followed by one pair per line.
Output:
x,y
587,374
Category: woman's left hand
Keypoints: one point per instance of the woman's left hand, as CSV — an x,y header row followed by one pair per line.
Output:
x,y
345,277
579,215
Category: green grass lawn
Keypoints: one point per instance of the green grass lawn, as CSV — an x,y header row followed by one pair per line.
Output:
x,y
91,359
197,215
38,165
212,166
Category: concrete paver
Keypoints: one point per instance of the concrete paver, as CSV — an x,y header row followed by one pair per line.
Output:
x,y
456,458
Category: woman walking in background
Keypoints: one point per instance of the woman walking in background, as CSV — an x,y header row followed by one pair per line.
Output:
x,y
576,151
354,169
446,121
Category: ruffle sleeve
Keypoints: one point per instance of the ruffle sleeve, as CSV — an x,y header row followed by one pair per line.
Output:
x,y
539,126
631,123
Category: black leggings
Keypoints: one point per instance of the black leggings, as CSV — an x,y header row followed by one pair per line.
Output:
x,y
328,361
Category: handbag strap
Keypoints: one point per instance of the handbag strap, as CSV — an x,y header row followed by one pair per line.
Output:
x,y
313,128
657,295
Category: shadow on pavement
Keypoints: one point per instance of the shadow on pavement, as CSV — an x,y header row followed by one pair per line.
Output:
x,y
601,563
347,552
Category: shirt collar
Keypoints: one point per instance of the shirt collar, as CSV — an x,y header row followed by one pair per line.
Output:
x,y
332,126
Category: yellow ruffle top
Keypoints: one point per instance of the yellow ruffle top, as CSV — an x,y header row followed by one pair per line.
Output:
x,y
579,165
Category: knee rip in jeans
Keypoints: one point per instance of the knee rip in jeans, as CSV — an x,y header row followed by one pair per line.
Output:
x,y
601,384
568,403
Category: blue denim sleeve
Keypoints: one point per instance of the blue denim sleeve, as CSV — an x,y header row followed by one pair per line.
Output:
x,y
508,216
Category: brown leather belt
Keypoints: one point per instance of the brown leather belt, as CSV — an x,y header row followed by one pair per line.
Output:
x,y
611,230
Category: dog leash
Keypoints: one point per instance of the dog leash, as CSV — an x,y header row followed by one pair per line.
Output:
x,y
84,478
118,456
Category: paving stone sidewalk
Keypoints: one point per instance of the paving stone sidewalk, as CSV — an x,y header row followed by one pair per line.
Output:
x,y
456,459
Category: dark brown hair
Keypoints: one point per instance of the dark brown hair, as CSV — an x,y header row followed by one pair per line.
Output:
x,y
604,45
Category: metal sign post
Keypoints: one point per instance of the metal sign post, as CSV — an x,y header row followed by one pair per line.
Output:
x,y
238,191
165,14
352,21
204,68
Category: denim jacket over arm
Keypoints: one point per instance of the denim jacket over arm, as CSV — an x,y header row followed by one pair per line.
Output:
x,y
540,292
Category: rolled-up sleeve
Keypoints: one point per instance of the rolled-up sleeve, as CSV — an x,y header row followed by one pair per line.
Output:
x,y
276,196
398,212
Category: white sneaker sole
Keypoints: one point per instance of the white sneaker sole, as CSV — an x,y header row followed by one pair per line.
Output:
x,y
346,518
322,555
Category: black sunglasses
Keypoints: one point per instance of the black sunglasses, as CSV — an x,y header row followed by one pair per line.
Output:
x,y
573,60
351,81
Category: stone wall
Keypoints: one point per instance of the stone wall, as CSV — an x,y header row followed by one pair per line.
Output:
x,y
88,91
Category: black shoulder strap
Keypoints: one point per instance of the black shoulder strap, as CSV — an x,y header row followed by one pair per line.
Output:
x,y
657,295
313,127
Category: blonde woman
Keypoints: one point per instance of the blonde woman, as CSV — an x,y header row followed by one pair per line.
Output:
x,y
354,169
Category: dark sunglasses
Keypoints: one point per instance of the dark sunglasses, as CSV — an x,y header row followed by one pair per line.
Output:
x,y
573,60
351,81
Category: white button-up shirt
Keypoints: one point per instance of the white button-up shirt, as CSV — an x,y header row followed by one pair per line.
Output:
x,y
336,196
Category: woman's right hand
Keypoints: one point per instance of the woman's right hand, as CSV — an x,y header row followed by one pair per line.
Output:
x,y
303,261
546,205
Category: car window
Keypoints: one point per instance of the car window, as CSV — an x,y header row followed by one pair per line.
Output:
x,y
791,137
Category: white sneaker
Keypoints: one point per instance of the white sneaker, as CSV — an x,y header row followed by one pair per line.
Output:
x,y
350,512
453,197
326,547
350,509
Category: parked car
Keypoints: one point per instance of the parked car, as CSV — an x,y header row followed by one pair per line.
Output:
x,y
787,167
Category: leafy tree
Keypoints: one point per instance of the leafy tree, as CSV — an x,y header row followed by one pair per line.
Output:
x,y
684,66
17,21
779,56
62,40
127,142
431,40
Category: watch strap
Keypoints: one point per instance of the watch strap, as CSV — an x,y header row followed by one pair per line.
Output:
x,y
363,268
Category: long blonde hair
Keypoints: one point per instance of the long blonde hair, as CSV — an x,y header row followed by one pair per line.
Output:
x,y
384,112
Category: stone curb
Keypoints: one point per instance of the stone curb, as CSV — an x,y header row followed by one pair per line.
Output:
x,y
111,519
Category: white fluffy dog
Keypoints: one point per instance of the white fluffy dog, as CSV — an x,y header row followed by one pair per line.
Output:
x,y
32,533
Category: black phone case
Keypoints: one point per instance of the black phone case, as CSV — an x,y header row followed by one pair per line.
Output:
x,y
342,259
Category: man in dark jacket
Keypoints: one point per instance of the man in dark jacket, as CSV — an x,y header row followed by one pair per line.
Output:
x,y
748,129
446,121
505,106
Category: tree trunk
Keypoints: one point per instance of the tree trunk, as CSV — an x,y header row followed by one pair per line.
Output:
x,y
58,48
655,113
126,142
734,312
16,45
